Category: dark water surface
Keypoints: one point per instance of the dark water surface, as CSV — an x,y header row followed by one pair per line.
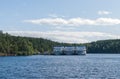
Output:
x,y
91,66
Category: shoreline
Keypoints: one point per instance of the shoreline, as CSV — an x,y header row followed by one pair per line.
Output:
x,y
5,55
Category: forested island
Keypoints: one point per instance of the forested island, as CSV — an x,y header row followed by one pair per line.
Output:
x,y
17,46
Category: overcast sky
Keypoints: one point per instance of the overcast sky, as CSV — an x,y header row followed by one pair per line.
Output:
x,y
70,21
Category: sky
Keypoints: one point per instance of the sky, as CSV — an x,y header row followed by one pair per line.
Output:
x,y
69,21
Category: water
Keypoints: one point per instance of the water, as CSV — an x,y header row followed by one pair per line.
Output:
x,y
91,66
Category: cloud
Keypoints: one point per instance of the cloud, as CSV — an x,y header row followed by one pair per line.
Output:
x,y
75,21
104,12
67,37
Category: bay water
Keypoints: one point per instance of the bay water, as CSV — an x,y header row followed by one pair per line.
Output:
x,y
91,66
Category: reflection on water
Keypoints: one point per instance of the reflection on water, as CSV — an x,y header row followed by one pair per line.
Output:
x,y
91,66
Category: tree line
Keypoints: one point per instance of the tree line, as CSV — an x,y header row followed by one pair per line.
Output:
x,y
16,45
104,46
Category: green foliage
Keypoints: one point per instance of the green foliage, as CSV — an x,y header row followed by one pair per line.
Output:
x,y
12,45
104,46
15,45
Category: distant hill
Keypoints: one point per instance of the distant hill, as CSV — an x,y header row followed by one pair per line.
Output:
x,y
16,45
104,46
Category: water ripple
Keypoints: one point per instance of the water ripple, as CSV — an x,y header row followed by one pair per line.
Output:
x,y
92,66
